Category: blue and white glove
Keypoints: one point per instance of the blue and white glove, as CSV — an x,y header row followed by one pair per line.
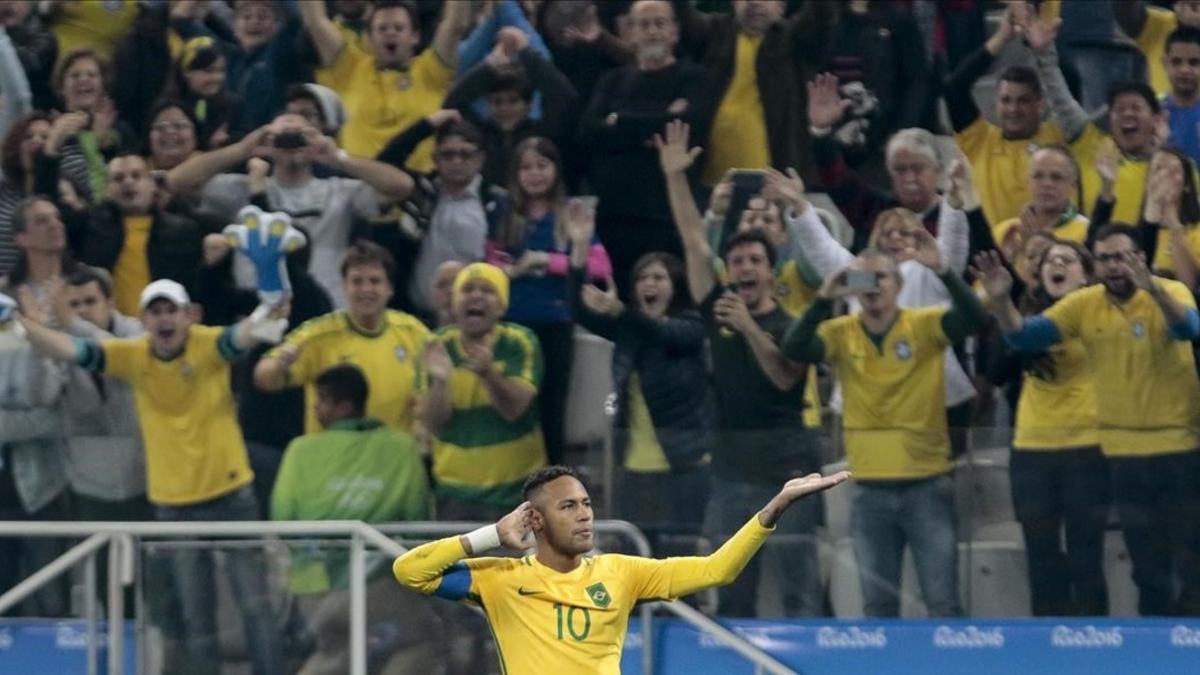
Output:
x,y
266,239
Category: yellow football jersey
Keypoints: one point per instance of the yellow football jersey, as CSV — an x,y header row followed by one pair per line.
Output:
x,y
1147,395
1059,412
194,446
387,358
1001,166
1131,177
893,430
546,621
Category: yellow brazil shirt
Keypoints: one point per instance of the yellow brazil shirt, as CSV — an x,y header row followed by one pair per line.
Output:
x,y
1058,411
1131,177
546,621
387,357
1147,395
96,25
645,454
895,423
132,272
382,103
1160,23
739,130
794,296
1001,166
478,455
1162,251
194,447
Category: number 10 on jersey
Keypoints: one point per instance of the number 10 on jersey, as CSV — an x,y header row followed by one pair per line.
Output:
x,y
572,621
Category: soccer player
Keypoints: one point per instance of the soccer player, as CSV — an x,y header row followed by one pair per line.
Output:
x,y
560,610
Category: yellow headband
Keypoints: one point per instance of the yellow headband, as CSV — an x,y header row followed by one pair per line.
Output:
x,y
489,273
191,48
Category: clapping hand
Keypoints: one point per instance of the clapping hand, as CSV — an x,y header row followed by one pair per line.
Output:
x,y
437,361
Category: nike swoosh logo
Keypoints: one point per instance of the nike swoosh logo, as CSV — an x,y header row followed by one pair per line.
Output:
x,y
525,591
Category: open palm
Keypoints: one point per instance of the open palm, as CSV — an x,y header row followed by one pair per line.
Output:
x,y
673,152
991,273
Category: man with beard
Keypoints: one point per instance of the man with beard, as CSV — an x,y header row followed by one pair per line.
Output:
x,y
628,107
560,610
1136,329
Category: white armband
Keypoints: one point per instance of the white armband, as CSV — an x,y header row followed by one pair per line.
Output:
x,y
485,538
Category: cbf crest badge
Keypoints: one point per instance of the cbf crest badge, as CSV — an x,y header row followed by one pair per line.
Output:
x,y
903,350
1139,329
599,595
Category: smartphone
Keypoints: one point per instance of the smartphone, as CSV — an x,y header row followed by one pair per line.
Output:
x,y
858,280
731,288
749,181
290,140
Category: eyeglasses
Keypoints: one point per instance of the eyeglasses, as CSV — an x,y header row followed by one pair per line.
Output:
x,y
462,155
163,127
1112,257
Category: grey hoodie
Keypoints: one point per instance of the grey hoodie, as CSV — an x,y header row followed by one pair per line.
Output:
x,y
105,458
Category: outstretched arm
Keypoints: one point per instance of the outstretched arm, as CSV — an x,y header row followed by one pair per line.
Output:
x,y
674,577
675,157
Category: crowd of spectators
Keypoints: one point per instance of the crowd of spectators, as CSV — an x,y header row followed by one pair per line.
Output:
x,y
475,180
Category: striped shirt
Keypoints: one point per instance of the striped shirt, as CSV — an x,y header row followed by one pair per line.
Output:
x,y
479,456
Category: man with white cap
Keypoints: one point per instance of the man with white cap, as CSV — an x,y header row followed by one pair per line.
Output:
x,y
196,463
479,379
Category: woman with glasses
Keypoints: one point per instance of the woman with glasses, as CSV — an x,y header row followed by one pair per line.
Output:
x,y
1060,479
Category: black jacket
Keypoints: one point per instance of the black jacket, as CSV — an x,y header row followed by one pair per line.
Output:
x,y
174,250
669,358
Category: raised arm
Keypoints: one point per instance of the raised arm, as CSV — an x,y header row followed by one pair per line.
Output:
x,y
456,19
674,577
436,406
17,97
1033,334
325,35
431,568
959,102
675,157
1071,118
389,181
1182,318
813,239
194,172
1130,15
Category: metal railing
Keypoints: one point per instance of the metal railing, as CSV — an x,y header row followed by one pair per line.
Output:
x,y
121,536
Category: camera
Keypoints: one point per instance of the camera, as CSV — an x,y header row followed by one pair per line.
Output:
x,y
290,140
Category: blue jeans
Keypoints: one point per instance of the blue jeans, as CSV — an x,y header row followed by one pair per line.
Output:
x,y
792,547
917,513
195,583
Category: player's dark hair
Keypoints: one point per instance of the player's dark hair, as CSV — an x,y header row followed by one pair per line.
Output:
x,y
1115,229
754,236
1188,34
1023,75
1137,88
545,475
345,383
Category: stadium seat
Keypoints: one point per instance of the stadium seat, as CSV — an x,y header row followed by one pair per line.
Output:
x,y
1118,572
589,399
994,579
983,494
